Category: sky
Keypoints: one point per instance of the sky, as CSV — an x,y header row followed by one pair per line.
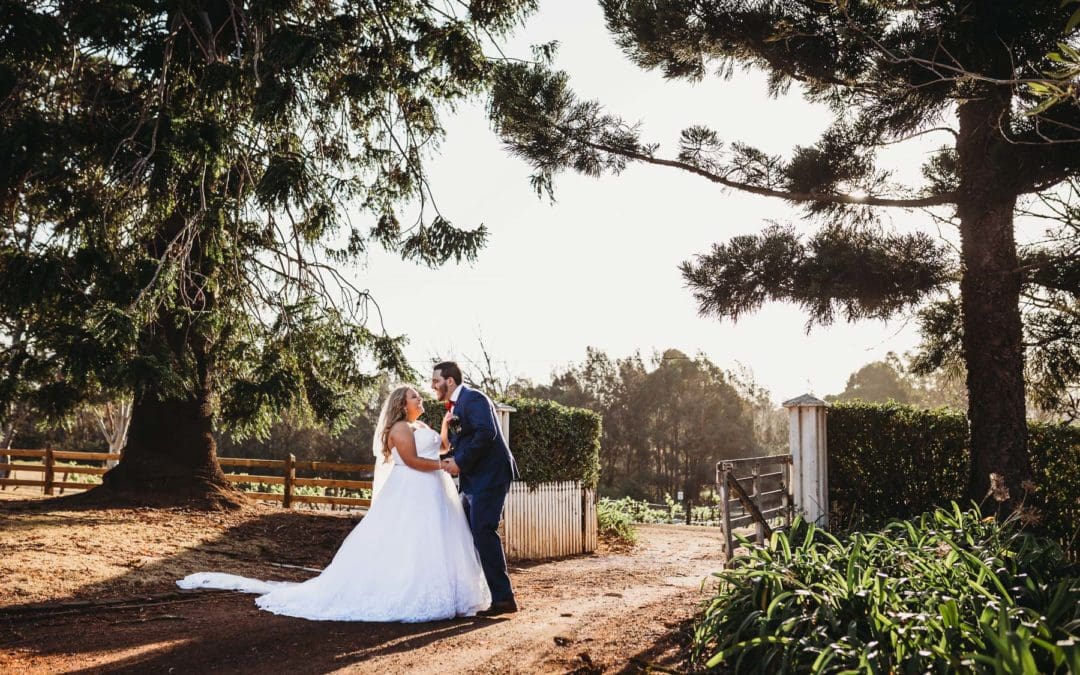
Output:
x,y
599,267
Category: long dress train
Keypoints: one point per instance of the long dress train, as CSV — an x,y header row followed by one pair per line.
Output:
x,y
410,559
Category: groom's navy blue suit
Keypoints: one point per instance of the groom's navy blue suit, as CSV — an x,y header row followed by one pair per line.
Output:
x,y
487,467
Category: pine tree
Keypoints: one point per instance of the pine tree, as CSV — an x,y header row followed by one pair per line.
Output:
x,y
173,194
888,71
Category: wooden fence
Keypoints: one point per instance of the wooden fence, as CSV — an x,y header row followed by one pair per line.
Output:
x,y
754,491
284,474
549,520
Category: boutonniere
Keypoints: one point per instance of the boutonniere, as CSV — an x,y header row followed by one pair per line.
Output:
x,y
455,425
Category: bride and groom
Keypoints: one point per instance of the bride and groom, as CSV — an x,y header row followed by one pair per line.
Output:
x,y
422,552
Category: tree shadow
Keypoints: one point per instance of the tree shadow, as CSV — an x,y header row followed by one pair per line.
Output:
x,y
211,631
671,652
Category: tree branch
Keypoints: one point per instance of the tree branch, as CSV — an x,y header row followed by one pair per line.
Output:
x,y
910,203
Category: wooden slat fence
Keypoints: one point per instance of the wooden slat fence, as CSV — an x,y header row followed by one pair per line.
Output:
x,y
549,520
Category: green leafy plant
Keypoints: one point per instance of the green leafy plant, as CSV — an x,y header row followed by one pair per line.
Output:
x,y
947,591
636,511
614,523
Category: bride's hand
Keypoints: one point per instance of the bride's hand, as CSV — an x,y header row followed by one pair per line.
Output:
x,y
446,419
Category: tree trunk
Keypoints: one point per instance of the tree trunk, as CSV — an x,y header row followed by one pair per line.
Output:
x,y
990,299
170,449
171,454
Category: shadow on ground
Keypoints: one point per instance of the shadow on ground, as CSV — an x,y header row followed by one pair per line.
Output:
x,y
165,629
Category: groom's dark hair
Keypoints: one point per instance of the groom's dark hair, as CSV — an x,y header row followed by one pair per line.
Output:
x,y
449,369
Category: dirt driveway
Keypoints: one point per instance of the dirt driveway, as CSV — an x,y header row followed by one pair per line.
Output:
x,y
610,612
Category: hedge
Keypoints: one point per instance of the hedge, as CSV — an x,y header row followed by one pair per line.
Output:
x,y
896,461
551,442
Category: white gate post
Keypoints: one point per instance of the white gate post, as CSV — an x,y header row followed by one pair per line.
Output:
x,y
504,411
809,458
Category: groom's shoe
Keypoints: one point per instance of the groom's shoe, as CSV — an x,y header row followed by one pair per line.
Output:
x,y
500,607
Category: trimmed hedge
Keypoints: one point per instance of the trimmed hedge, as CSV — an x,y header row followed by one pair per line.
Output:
x,y
551,442
888,460
896,461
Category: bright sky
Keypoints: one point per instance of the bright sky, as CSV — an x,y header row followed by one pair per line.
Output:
x,y
600,266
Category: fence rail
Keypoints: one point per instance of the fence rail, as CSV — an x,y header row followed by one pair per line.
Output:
x,y
548,520
284,475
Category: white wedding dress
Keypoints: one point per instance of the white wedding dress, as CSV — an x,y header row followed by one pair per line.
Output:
x,y
410,559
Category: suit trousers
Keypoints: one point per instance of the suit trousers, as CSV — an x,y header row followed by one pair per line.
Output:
x,y
483,509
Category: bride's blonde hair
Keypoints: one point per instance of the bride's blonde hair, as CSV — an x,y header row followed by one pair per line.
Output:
x,y
393,412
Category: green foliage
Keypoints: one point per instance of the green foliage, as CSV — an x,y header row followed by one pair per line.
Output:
x,y
894,461
949,591
887,73
614,523
551,442
182,182
856,273
636,511
888,460
665,426
1055,461
895,379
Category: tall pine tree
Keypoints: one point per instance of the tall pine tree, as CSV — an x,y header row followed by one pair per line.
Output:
x,y
967,71
173,206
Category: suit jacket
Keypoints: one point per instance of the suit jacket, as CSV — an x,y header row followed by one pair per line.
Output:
x,y
479,448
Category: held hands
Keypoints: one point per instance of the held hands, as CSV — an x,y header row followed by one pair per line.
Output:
x,y
450,466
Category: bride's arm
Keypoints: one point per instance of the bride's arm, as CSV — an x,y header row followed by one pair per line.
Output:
x,y
444,432
401,437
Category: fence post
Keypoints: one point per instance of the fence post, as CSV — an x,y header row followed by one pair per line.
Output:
x,y
48,471
809,458
583,491
755,486
785,496
503,411
725,511
290,476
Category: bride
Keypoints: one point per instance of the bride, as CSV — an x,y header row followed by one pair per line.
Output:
x,y
410,559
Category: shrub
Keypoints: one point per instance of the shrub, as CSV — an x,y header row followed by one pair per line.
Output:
x,y
895,461
550,442
637,511
553,442
614,523
949,591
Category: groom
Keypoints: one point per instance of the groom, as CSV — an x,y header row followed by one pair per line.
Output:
x,y
483,461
